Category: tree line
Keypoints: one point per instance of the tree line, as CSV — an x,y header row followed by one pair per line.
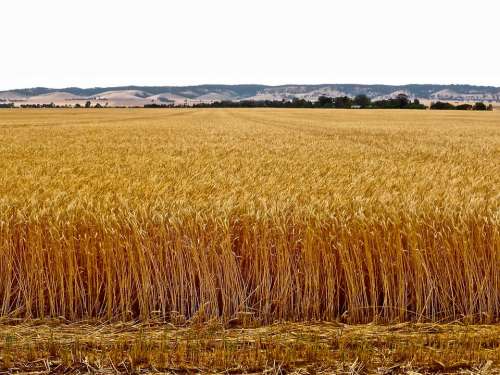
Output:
x,y
401,101
88,104
479,106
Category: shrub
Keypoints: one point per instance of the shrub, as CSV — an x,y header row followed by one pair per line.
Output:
x,y
480,106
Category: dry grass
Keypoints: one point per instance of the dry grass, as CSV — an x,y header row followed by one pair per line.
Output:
x,y
362,216
320,348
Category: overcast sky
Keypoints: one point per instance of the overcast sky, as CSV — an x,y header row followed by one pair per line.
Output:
x,y
90,43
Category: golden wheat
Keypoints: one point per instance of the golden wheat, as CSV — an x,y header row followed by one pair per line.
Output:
x,y
286,214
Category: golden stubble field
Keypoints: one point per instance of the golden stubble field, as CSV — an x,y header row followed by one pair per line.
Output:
x,y
190,216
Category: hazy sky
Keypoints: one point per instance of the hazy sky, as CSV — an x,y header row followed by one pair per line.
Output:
x,y
91,43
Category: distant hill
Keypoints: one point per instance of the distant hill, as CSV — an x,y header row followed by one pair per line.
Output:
x,y
140,95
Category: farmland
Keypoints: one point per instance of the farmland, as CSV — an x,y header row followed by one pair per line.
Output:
x,y
251,218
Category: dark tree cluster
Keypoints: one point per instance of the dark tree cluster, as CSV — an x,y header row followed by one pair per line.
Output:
x,y
51,105
299,103
6,105
479,106
363,101
360,101
154,105
77,105
402,101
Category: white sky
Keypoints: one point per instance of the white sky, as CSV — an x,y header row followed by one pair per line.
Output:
x,y
59,43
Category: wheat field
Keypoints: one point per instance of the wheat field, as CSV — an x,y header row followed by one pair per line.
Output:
x,y
284,215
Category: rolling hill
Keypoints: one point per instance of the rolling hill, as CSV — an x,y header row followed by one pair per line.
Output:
x,y
130,96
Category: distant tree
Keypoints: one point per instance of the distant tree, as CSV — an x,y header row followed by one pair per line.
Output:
x,y
77,105
325,101
88,104
300,103
98,105
156,105
416,105
362,100
479,106
490,107
442,105
464,107
403,100
343,102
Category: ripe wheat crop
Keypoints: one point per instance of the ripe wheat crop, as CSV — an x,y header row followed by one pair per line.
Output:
x,y
283,214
